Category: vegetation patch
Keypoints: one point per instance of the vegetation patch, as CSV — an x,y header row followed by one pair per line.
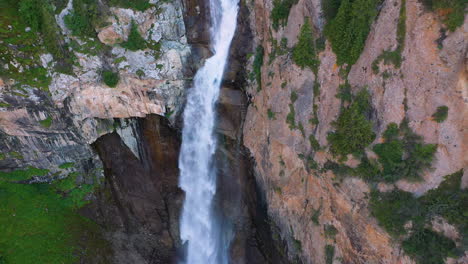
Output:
x,y
427,246
110,78
353,131
329,254
348,30
135,41
453,11
291,117
280,12
394,57
271,114
257,66
84,18
39,222
393,210
21,48
330,231
403,154
46,122
139,5
441,114
304,54
314,144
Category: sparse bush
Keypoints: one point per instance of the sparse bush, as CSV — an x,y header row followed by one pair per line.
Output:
x,y
441,114
135,41
304,52
110,78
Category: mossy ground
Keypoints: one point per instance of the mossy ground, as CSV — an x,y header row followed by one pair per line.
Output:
x,y
39,222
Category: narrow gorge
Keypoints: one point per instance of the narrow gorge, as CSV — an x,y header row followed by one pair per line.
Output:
x,y
225,131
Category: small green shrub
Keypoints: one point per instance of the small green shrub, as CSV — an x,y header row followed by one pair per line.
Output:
x,y
291,117
271,114
257,66
280,12
315,216
297,245
428,247
330,231
329,254
110,78
135,41
46,122
353,131
304,52
441,114
348,30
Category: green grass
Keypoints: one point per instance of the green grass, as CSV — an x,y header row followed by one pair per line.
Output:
x,y
353,131
39,223
441,114
329,254
46,122
110,78
304,54
454,10
348,30
139,5
135,41
257,66
280,12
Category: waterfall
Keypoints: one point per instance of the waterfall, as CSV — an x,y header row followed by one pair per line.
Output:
x,y
199,226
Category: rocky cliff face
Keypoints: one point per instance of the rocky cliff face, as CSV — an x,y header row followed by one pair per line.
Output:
x,y
55,124
286,194
287,136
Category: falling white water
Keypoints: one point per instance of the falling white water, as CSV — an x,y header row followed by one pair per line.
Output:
x,y
199,226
